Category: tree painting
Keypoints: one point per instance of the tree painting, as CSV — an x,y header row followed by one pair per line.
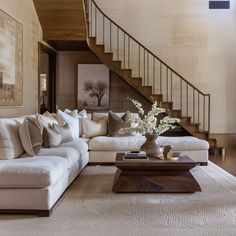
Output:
x,y
96,90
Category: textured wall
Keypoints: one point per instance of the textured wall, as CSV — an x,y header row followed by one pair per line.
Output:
x,y
25,13
197,42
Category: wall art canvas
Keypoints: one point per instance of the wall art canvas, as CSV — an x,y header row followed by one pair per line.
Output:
x,y
11,64
93,87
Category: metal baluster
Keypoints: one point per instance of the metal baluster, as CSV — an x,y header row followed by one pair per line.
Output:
x,y
139,60
144,64
154,82
128,52
118,42
171,85
193,105
160,78
187,98
198,108
95,21
124,50
204,126
167,84
110,38
181,91
147,68
91,9
103,27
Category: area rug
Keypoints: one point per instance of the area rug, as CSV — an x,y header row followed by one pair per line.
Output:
x,y
90,208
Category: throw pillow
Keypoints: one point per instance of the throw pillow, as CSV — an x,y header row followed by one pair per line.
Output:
x,y
30,135
73,123
51,137
115,123
45,120
65,132
93,128
79,115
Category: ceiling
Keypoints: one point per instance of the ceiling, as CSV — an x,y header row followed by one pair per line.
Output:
x,y
61,19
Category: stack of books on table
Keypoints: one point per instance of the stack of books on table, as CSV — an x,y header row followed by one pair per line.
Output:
x,y
135,155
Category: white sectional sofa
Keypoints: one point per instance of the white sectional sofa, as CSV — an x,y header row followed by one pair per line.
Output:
x,y
34,184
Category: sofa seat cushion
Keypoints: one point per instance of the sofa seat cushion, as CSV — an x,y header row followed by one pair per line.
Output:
x,y
69,153
184,143
32,172
129,143
125,143
79,144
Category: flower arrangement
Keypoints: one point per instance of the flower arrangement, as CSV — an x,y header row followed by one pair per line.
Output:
x,y
147,123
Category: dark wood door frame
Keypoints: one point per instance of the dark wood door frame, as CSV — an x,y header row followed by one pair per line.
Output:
x,y
52,76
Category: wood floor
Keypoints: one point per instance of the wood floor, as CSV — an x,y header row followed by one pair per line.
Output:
x,y
227,162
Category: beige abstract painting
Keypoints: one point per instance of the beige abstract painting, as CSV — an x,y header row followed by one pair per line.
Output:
x,y
11,64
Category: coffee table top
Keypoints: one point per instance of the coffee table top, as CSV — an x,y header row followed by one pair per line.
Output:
x,y
183,161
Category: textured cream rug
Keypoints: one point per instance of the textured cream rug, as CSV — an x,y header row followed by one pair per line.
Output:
x,y
90,208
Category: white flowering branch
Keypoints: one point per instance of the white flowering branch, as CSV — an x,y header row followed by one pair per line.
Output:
x,y
148,122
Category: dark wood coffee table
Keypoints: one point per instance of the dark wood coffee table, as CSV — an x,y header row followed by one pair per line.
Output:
x,y
154,175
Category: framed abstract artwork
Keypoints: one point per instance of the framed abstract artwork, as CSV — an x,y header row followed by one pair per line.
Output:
x,y
93,87
11,61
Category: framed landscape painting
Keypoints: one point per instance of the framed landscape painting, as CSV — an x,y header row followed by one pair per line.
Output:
x,y
11,64
93,87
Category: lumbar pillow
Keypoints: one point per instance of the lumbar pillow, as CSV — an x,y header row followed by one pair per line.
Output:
x,y
30,135
73,123
79,115
65,132
115,123
45,120
51,137
93,128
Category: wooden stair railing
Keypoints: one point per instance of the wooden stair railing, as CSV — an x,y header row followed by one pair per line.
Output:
x,y
146,72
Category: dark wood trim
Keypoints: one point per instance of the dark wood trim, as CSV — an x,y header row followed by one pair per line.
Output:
x,y
40,213
52,75
101,163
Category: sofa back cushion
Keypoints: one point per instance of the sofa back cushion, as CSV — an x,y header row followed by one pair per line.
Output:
x,y
10,143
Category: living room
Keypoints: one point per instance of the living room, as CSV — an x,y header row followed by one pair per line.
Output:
x,y
74,61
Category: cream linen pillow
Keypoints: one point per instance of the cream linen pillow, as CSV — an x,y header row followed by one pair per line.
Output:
x,y
30,135
73,123
79,115
93,128
65,132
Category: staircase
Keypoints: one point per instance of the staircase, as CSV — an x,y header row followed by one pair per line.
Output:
x,y
146,73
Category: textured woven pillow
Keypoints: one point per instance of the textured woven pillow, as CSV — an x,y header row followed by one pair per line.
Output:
x,y
115,123
51,137
93,128
30,135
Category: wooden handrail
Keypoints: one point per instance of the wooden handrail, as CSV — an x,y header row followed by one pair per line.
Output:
x,y
146,49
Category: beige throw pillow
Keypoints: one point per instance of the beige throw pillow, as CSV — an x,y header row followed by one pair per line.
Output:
x,y
115,123
30,135
51,137
92,128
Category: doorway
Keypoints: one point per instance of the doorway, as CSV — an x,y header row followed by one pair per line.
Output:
x,y
47,79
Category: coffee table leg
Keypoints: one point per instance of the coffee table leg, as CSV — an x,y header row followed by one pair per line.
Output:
x,y
154,182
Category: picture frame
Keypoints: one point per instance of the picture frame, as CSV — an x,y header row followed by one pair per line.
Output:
x,y
93,93
11,61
